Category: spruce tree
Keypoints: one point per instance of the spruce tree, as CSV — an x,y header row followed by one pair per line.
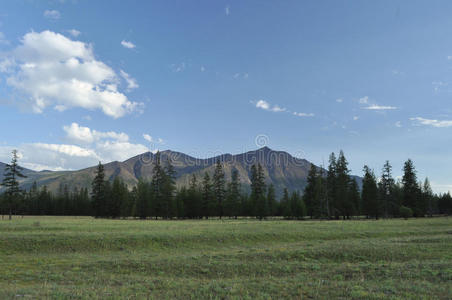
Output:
x,y
386,188
370,194
286,208
98,192
271,200
207,196
411,189
331,186
342,204
309,194
233,195
168,191
10,181
219,188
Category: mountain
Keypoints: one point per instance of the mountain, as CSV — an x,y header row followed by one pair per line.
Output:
x,y
280,168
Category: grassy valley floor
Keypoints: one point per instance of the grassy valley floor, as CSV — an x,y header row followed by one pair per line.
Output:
x,y
86,258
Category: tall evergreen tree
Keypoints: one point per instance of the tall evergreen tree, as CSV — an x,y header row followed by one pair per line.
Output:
x,y
342,204
411,191
233,195
369,193
309,194
168,191
258,191
428,197
10,181
386,188
271,200
354,197
219,188
286,208
331,186
207,196
98,192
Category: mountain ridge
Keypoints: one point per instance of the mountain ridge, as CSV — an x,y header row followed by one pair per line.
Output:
x,y
280,169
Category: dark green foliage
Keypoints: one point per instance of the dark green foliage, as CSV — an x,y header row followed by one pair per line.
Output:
x,y
411,190
258,189
309,196
98,193
370,203
219,188
405,212
286,208
13,172
271,201
207,197
233,201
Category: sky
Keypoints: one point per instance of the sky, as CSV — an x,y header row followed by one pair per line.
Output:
x,y
88,81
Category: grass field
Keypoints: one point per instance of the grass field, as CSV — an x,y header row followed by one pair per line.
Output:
x,y
70,257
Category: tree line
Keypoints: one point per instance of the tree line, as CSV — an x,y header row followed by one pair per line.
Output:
x,y
329,194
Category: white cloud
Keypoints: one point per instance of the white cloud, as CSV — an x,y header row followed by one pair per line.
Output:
x,y
84,135
432,122
246,76
3,40
52,14
131,82
355,118
236,75
300,114
93,146
150,139
364,100
178,67
74,32
127,44
262,104
437,85
52,70
227,10
203,69
340,100
449,57
147,137
379,107
398,124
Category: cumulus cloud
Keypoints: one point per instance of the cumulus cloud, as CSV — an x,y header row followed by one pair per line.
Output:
x,y
432,122
373,106
127,44
262,104
131,82
300,114
74,32
52,14
81,134
150,139
379,107
3,40
85,148
53,70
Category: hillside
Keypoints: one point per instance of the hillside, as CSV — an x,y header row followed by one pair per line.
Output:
x,y
280,168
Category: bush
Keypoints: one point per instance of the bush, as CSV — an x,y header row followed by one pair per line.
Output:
x,y
405,212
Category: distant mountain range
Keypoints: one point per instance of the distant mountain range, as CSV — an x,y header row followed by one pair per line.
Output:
x,y
280,168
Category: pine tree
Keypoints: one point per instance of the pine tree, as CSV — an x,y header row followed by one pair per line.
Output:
x,y
207,196
98,192
331,186
233,195
258,191
386,188
428,197
219,188
158,205
411,189
271,200
354,197
10,181
168,191
370,194
309,194
342,205
286,208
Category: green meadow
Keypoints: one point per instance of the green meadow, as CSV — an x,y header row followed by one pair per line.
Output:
x,y
87,258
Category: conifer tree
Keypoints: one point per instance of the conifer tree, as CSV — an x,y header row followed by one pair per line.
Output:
x,y
219,188
286,208
386,190
233,195
10,181
207,196
168,190
271,200
309,194
98,192
411,191
331,186
370,194
342,205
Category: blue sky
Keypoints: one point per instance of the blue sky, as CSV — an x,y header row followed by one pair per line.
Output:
x,y
82,81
